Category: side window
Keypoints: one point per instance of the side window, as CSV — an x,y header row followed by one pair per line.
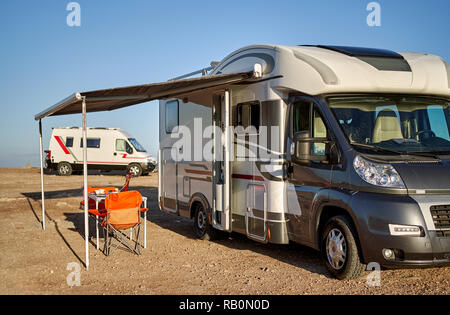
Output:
x,y
319,131
69,142
91,143
301,116
248,114
171,116
303,120
123,146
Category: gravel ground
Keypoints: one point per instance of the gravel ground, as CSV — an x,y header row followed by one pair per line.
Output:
x,y
35,261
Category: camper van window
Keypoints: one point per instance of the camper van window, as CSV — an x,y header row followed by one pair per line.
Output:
x,y
69,142
123,146
248,114
136,145
171,116
91,143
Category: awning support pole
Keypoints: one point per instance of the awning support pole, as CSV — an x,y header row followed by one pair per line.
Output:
x,y
42,175
85,174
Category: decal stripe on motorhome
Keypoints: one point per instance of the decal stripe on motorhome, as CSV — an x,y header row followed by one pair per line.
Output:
x,y
248,177
62,145
199,172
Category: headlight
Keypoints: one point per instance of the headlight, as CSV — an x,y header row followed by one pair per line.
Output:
x,y
377,174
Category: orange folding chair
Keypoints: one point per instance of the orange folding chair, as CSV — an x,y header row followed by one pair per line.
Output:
x,y
109,189
123,212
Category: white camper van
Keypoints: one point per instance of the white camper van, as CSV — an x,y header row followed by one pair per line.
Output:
x,y
107,149
352,159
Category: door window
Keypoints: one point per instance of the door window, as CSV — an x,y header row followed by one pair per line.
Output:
x,y
248,114
171,116
123,146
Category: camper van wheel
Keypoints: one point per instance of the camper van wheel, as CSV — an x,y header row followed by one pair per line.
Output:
x,y
202,228
64,169
340,250
136,169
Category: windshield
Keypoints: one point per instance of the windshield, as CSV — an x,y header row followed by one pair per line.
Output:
x,y
136,145
402,124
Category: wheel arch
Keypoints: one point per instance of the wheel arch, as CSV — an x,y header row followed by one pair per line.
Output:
x,y
199,198
326,212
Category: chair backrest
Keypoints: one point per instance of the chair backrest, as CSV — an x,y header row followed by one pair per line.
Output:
x,y
123,209
127,182
387,127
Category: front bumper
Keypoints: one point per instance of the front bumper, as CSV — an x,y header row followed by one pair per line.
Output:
x,y
148,167
373,214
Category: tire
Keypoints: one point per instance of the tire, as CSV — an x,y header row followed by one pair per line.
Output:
x,y
203,230
339,249
136,169
64,169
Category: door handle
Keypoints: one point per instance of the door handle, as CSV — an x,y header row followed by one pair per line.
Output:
x,y
115,153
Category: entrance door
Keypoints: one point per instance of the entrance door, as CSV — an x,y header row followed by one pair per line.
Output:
x,y
221,184
169,181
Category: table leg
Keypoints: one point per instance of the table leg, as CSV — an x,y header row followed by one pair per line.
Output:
x,y
96,222
145,224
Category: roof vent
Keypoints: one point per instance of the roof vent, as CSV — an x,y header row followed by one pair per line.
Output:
x,y
382,59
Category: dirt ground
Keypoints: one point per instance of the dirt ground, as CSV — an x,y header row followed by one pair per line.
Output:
x,y
33,261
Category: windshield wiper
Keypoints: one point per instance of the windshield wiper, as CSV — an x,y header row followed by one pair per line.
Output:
x,y
381,149
376,148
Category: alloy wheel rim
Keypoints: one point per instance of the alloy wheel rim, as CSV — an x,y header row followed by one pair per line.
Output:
x,y
336,248
201,220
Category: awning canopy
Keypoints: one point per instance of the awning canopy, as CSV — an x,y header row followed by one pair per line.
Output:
x,y
110,99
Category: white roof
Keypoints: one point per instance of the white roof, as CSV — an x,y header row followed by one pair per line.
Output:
x,y
316,70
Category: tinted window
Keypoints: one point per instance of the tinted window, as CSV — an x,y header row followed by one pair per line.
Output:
x,y
91,143
171,116
301,116
248,115
69,142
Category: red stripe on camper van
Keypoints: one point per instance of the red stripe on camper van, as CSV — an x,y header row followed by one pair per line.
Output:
x,y
62,145
248,177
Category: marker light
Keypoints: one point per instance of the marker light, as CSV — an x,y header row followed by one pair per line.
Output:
x,y
377,174
405,230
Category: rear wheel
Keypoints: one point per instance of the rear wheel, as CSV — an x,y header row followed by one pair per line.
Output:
x,y
203,230
339,249
64,169
135,169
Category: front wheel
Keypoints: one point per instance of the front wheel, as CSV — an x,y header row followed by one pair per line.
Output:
x,y
339,249
135,169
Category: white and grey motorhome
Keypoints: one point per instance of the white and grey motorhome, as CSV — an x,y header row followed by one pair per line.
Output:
x,y
349,154
108,149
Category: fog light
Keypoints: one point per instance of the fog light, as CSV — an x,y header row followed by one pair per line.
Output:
x,y
405,230
388,254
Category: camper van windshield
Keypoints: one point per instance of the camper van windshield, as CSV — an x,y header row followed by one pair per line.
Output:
x,y
394,124
136,145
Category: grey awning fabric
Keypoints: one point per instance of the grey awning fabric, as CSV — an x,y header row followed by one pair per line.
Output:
x,y
110,99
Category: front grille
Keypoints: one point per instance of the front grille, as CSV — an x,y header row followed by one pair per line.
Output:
x,y
443,233
441,216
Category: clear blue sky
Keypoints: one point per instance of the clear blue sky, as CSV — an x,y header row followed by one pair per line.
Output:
x,y
42,60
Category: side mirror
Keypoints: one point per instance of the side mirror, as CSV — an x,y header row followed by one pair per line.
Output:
x,y
302,153
309,149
